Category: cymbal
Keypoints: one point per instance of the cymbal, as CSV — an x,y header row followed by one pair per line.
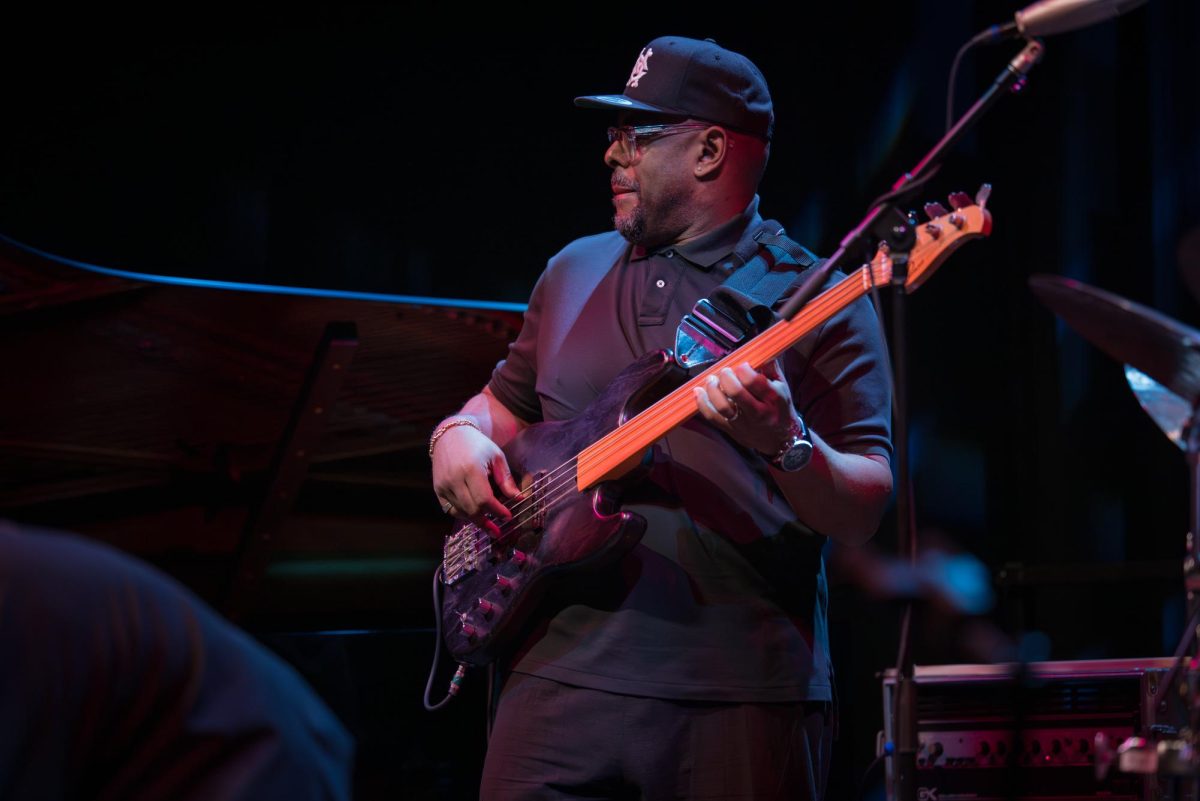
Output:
x,y
1164,349
1169,412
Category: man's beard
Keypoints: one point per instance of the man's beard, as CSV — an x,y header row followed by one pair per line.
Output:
x,y
632,226
657,226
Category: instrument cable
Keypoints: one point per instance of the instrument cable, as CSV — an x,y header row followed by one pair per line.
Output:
x,y
456,682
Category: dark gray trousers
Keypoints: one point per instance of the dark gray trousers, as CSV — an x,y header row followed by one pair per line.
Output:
x,y
554,741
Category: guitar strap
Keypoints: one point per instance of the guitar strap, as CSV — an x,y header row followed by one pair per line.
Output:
x,y
741,307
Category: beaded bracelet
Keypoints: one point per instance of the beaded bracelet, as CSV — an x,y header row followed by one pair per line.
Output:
x,y
446,425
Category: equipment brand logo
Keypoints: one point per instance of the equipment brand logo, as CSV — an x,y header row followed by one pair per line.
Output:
x,y
640,67
927,794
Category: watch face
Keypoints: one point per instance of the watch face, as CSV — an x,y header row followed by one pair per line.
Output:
x,y
796,457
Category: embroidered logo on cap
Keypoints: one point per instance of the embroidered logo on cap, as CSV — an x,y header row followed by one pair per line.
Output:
x,y
640,67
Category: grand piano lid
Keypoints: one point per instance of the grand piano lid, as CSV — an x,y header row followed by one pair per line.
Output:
x,y
144,411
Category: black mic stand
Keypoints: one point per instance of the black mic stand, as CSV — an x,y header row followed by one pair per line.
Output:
x,y
885,223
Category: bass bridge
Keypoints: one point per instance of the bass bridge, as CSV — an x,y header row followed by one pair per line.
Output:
x,y
464,552
470,549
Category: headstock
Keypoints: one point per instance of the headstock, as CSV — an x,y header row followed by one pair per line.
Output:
x,y
946,231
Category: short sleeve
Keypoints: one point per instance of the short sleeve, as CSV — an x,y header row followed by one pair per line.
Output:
x,y
844,389
514,381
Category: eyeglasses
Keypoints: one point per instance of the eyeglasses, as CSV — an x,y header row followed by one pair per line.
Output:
x,y
633,136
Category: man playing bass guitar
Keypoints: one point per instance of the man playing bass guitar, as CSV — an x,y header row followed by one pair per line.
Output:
x,y
697,664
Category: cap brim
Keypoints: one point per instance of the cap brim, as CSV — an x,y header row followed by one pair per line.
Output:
x,y
617,102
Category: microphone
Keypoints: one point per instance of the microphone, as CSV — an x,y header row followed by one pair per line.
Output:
x,y
1048,17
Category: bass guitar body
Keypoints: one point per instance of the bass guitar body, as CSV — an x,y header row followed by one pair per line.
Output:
x,y
492,584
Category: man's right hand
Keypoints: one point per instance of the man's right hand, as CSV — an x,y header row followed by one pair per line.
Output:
x,y
463,460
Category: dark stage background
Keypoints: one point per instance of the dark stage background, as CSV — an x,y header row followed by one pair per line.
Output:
x,y
357,148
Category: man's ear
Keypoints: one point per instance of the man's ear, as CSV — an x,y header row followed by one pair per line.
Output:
x,y
714,148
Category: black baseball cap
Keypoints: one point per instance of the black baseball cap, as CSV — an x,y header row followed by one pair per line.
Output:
x,y
695,78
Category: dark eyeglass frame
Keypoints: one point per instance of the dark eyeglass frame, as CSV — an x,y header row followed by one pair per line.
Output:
x,y
631,136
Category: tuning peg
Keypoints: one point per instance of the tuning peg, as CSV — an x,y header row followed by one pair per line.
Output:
x,y
981,197
959,200
934,210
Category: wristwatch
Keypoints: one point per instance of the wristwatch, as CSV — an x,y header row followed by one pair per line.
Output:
x,y
796,450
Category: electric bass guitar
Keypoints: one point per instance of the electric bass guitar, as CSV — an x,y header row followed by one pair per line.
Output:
x,y
568,516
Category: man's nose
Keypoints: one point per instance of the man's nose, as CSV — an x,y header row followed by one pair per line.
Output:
x,y
616,155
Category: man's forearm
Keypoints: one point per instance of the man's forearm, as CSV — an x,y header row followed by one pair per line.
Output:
x,y
840,495
492,417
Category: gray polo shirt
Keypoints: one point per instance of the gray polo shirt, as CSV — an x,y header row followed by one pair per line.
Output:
x,y
725,597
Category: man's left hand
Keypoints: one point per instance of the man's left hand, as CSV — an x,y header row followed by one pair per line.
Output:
x,y
754,408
